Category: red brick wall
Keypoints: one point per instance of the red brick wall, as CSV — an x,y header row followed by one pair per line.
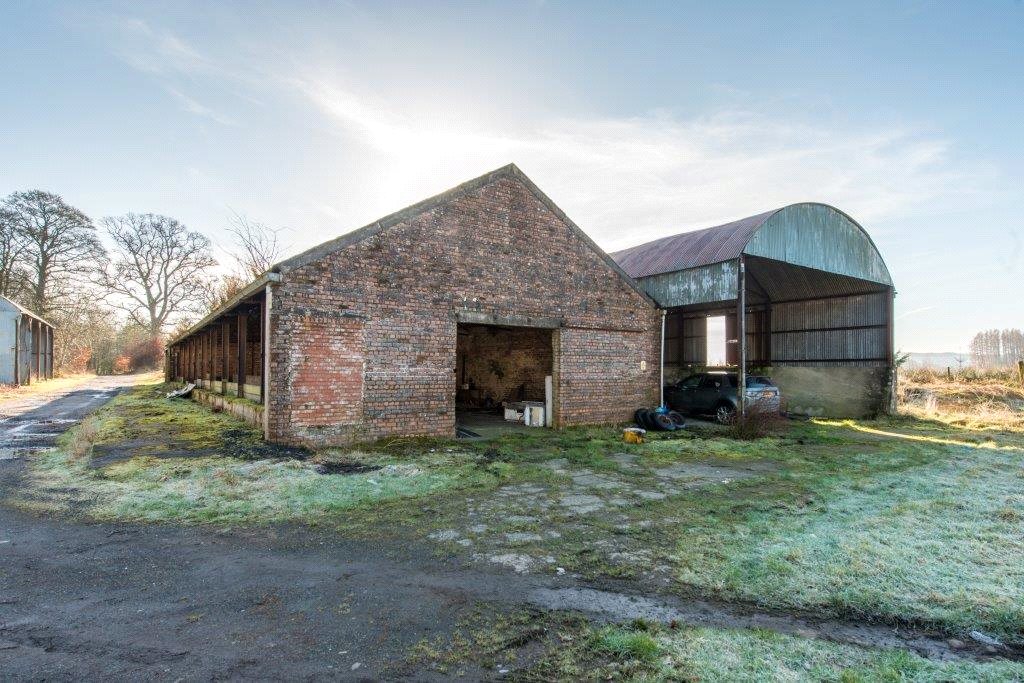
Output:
x,y
326,383
599,375
497,250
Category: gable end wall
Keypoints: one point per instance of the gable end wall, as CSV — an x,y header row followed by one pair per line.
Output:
x,y
497,250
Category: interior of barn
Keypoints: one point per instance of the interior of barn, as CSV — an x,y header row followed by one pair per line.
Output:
x,y
503,376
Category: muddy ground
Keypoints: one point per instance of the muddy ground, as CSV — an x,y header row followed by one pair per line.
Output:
x,y
81,600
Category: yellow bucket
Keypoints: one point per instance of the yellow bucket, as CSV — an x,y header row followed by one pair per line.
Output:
x,y
633,435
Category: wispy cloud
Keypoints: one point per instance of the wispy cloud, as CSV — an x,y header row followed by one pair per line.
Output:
x,y
193,106
155,50
916,311
173,62
622,178
655,174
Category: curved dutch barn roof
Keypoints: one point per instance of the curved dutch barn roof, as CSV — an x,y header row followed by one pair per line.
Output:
x,y
809,234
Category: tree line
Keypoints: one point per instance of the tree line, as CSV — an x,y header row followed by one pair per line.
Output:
x,y
114,289
997,348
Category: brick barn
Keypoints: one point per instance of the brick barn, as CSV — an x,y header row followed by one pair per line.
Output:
x,y
484,294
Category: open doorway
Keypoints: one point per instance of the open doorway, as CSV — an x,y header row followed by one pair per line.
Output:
x,y
501,369
716,342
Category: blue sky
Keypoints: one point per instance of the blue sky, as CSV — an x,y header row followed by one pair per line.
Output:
x,y
640,120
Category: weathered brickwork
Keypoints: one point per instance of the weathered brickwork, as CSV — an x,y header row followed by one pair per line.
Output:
x,y
363,333
599,372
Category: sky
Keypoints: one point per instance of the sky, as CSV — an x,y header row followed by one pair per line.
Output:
x,y
639,120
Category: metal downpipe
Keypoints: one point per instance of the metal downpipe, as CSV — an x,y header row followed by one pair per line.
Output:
x,y
661,380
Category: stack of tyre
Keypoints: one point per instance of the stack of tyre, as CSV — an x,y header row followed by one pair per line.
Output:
x,y
659,420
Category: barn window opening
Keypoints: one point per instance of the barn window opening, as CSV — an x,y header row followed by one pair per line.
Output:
x,y
716,341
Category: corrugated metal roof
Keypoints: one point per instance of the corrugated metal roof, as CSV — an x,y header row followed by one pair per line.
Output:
x,y
691,249
14,304
807,234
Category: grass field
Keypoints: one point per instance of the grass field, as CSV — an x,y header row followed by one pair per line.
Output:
x,y
146,458
914,520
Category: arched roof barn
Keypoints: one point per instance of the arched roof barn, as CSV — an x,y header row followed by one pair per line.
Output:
x,y
815,291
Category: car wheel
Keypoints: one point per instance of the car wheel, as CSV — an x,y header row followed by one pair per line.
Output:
x,y
649,421
663,421
725,414
677,419
638,418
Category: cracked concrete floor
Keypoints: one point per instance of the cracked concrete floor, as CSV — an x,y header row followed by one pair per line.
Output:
x,y
520,526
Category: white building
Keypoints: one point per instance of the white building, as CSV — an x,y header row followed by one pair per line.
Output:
x,y
26,345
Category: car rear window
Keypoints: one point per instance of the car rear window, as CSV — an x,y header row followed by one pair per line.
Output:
x,y
758,381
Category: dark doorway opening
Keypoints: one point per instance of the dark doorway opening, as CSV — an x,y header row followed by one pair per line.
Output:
x,y
499,368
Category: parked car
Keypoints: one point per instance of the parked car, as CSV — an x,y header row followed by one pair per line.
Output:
x,y
714,393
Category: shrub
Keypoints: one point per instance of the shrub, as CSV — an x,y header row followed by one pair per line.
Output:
x,y
760,421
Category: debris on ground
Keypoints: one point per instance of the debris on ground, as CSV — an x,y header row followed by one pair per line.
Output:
x,y
345,467
183,392
985,640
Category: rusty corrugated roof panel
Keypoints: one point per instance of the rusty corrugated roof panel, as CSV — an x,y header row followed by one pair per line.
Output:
x,y
690,249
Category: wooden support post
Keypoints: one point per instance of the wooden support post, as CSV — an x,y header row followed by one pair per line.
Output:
x,y
263,346
890,339
37,329
210,358
741,331
225,343
26,338
49,353
17,351
243,321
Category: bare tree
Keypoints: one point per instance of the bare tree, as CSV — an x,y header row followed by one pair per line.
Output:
x,y
14,277
61,246
259,245
257,248
219,291
159,268
997,348
85,332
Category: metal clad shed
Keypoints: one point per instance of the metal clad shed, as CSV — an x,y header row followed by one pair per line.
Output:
x,y
26,345
816,296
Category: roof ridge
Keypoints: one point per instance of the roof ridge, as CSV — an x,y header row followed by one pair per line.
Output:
x,y
377,226
25,310
509,170
688,233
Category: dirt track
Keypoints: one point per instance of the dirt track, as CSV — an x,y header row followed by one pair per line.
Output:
x,y
35,421
80,600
